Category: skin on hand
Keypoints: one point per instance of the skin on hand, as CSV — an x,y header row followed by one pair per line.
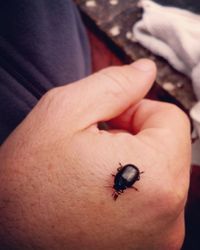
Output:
x,y
56,168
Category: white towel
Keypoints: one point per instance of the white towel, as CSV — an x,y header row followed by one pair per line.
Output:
x,y
173,34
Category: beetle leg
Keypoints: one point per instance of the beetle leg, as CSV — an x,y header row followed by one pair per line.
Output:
x,y
139,175
119,168
135,188
119,192
115,195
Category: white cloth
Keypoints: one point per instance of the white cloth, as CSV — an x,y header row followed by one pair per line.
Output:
x,y
173,34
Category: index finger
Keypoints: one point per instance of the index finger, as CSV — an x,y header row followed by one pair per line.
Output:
x,y
160,124
154,114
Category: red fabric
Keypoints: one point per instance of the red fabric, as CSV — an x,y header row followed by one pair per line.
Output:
x,y
102,56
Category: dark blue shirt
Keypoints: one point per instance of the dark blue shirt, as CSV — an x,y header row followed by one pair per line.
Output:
x,y
42,44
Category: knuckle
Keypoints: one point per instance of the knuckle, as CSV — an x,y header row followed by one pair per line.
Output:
x,y
58,105
171,199
175,241
172,108
178,112
58,97
50,96
53,103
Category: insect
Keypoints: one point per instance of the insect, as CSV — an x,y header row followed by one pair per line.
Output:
x,y
126,176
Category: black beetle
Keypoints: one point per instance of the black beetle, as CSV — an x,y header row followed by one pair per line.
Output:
x,y
126,176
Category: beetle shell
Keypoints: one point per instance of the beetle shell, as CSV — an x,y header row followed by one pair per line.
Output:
x,y
125,178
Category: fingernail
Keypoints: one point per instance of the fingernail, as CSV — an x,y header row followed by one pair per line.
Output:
x,y
144,65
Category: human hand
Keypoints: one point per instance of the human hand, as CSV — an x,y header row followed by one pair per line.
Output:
x,y
56,168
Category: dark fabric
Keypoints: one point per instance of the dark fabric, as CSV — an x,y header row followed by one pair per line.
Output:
x,y
192,215
42,44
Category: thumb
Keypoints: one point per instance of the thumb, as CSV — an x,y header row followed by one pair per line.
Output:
x,y
106,94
